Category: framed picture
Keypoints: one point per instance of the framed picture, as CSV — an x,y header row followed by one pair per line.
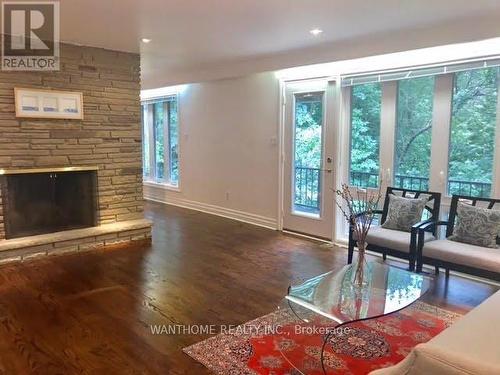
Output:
x,y
40,103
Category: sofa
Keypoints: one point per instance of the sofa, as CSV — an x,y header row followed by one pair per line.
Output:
x,y
469,346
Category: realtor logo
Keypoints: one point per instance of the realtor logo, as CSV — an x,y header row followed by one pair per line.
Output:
x,y
30,35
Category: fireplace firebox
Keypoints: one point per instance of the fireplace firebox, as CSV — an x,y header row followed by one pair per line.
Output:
x,y
37,203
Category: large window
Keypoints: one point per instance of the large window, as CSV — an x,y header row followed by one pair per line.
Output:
x,y
365,135
161,141
440,128
472,133
412,156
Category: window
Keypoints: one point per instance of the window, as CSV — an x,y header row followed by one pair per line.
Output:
x,y
365,135
469,91
472,133
161,141
307,153
412,161
434,128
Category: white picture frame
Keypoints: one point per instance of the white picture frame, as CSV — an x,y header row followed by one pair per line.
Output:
x,y
42,103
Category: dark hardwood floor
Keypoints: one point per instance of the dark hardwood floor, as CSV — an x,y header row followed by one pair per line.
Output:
x,y
90,313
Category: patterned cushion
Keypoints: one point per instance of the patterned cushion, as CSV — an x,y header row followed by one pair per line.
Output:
x,y
476,226
403,212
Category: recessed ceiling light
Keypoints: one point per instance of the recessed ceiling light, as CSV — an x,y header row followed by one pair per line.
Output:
x,y
145,40
316,31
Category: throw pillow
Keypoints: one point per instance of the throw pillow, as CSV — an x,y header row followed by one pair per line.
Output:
x,y
476,226
403,212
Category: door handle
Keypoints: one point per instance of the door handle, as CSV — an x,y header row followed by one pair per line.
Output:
x,y
326,170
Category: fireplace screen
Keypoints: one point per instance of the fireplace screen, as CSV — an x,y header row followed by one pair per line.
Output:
x,y
37,203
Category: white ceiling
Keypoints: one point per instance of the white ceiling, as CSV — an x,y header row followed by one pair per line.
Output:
x,y
206,39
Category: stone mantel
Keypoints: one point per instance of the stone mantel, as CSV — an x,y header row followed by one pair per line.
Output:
x,y
47,170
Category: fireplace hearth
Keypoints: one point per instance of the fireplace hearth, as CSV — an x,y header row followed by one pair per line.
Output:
x,y
42,202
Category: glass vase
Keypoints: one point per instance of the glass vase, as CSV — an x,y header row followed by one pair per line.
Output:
x,y
360,271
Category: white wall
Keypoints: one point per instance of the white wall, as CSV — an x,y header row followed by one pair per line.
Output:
x,y
228,144
229,148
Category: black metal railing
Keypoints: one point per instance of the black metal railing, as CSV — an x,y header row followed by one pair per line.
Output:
x,y
462,187
364,179
411,182
470,188
307,189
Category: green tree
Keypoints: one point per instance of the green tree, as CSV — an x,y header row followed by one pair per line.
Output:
x,y
413,128
472,138
308,123
365,131
308,135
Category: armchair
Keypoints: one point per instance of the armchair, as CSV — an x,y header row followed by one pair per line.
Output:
x,y
459,256
397,243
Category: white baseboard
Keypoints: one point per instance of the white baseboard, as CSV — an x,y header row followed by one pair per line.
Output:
x,y
229,213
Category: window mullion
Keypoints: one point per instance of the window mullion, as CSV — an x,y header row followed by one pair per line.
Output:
x,y
152,142
343,164
166,141
346,135
440,140
387,132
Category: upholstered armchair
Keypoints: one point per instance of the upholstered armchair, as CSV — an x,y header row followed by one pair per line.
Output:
x,y
471,244
400,238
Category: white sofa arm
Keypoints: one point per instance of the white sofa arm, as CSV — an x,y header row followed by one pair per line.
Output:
x,y
433,359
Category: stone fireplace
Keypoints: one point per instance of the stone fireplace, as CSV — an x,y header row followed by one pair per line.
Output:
x,y
70,185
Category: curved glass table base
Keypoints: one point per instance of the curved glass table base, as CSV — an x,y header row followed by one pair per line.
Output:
x,y
330,301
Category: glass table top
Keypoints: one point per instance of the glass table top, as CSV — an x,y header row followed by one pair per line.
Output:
x,y
333,296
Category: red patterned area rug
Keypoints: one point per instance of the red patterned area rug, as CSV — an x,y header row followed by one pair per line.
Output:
x,y
270,344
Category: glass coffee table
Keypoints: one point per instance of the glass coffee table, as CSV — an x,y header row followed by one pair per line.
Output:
x,y
332,299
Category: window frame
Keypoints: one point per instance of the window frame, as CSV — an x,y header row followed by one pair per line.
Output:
x,y
441,122
151,179
294,212
441,127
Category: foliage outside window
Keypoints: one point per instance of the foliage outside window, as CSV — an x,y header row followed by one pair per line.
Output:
x,y
412,160
307,153
161,141
365,135
472,135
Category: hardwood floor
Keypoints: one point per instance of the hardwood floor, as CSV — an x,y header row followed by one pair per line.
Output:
x,y
91,313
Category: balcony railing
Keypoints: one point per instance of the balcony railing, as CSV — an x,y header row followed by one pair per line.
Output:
x,y
307,189
462,187
411,182
364,179
473,189
308,183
